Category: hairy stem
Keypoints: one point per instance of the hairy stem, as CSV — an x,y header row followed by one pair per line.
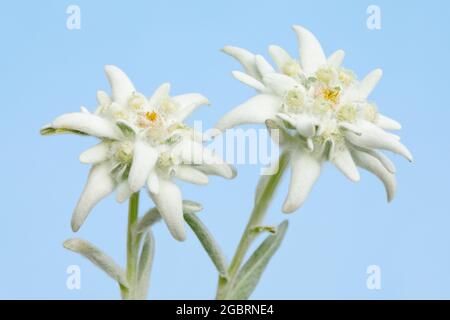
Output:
x,y
249,235
132,247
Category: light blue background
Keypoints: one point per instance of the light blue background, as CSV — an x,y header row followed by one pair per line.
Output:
x,y
47,70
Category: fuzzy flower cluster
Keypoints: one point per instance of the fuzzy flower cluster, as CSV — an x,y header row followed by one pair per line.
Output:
x,y
143,142
322,111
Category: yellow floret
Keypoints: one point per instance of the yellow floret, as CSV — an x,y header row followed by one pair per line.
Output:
x,y
347,113
346,77
326,75
294,100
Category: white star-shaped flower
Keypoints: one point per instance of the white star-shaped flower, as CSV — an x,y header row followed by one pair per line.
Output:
x,y
323,112
143,142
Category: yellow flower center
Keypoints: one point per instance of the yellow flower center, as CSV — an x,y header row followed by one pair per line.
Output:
x,y
151,116
331,95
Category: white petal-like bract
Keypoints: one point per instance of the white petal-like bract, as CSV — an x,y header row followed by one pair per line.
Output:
x,y
375,138
190,174
88,123
312,56
369,83
373,165
280,56
387,123
144,159
249,80
256,110
246,58
96,154
121,85
279,83
170,205
305,171
343,160
160,94
123,192
153,182
263,66
188,103
99,185
336,58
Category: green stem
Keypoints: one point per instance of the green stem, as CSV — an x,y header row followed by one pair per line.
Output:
x,y
132,247
222,287
249,235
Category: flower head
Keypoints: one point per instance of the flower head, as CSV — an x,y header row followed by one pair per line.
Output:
x,y
143,141
323,112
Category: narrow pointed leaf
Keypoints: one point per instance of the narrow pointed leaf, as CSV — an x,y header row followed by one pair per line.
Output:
x,y
250,273
97,257
208,242
145,265
152,216
191,206
48,131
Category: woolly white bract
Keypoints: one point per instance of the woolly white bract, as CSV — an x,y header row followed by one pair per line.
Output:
x,y
143,142
323,114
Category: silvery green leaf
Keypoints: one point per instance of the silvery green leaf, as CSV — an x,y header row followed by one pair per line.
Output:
x,y
145,265
152,216
126,129
97,257
48,131
191,206
208,242
250,273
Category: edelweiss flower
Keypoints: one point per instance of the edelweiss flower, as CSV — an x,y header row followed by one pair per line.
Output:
x,y
323,112
143,142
